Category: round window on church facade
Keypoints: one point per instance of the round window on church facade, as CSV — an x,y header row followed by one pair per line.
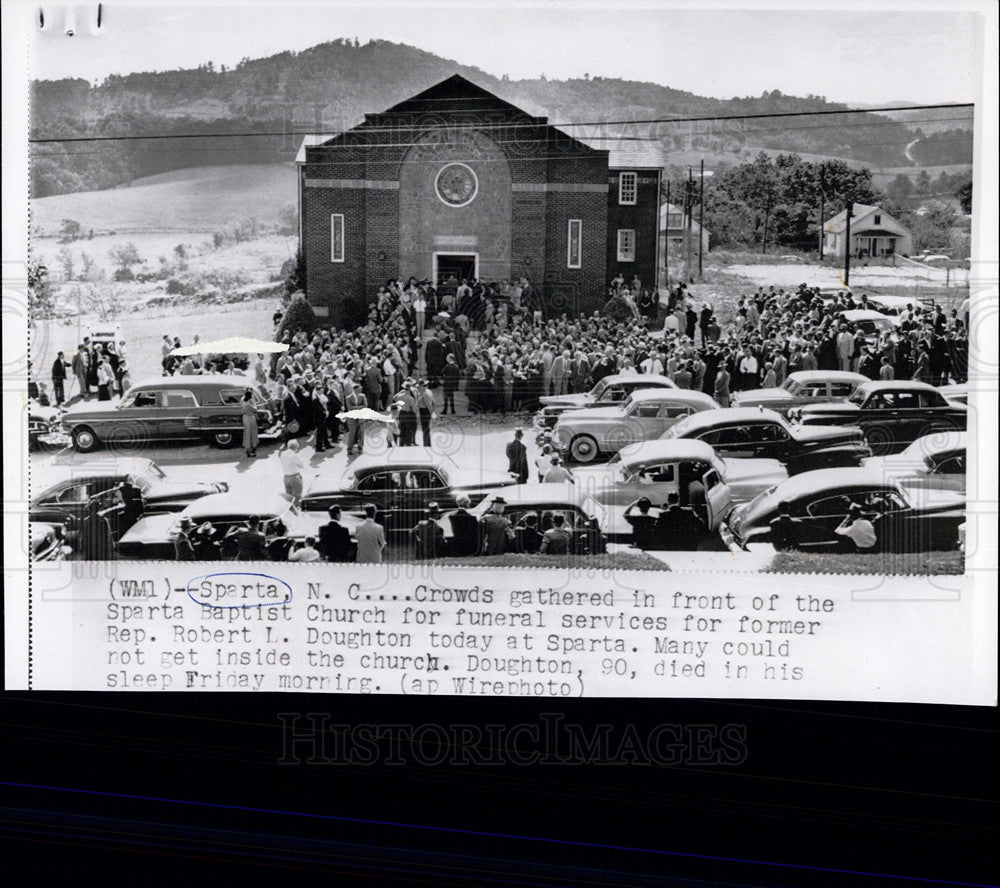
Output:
x,y
456,184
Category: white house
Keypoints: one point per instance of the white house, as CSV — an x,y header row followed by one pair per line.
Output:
x,y
873,233
672,238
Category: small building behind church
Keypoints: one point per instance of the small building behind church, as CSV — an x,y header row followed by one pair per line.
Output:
x,y
456,183
874,234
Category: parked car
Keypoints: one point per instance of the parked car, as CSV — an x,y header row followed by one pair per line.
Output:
x,y
583,436
43,425
401,483
744,432
892,415
894,305
608,391
545,500
870,324
656,469
803,387
957,392
172,408
46,542
152,536
71,487
935,462
819,501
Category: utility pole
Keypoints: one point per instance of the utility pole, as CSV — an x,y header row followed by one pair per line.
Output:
x,y
822,210
666,242
688,200
701,218
847,246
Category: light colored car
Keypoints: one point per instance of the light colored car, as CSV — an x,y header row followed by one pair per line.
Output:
x,y
935,462
871,324
894,305
582,436
656,469
803,387
611,390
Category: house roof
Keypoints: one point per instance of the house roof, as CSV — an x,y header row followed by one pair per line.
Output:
x,y
859,221
627,152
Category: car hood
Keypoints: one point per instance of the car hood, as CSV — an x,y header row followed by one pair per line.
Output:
x,y
46,413
151,529
579,400
768,394
831,434
163,491
843,408
761,473
92,408
598,413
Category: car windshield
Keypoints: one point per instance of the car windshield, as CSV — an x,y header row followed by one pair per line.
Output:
x,y
598,389
859,397
792,386
143,481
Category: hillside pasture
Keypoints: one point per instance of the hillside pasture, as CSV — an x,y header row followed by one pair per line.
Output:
x,y
198,199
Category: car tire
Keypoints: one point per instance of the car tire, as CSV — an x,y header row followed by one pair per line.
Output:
x,y
583,449
223,440
880,439
84,439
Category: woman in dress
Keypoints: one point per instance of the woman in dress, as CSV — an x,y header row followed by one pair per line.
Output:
x,y
250,430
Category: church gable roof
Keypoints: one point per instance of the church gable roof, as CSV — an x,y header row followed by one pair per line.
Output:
x,y
454,95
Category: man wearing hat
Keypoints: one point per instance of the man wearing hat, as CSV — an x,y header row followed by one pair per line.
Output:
x,y
517,457
425,407
859,529
496,528
427,536
183,545
407,414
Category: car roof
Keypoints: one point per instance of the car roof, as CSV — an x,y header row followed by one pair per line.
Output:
x,y
559,495
679,394
901,301
669,448
654,379
729,415
56,473
821,480
827,375
940,442
397,459
864,314
247,502
875,385
196,381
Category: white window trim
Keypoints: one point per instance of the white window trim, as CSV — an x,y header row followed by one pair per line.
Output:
x,y
569,243
333,239
621,188
621,256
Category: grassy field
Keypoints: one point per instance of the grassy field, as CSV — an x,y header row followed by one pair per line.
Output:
x,y
890,564
200,199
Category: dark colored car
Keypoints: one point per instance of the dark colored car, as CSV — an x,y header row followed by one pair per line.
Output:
x,y
172,408
42,423
749,432
905,520
401,484
46,543
72,487
892,415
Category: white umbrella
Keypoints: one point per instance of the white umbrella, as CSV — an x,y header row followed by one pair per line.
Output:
x,y
234,345
364,413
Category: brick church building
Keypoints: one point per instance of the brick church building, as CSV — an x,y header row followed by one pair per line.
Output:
x,y
457,182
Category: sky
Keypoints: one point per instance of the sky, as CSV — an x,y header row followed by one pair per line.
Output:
x,y
856,54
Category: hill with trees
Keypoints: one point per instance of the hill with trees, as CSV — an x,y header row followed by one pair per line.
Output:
x,y
330,86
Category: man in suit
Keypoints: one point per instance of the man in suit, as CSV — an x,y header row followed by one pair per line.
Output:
x,y
517,457
427,536
59,378
334,538
464,529
371,538
451,375
560,373
355,400
556,540
81,370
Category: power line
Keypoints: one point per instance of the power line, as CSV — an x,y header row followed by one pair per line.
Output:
x,y
415,124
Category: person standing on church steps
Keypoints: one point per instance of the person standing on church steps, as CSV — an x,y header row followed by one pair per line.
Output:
x,y
425,409
407,414
451,376
434,360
